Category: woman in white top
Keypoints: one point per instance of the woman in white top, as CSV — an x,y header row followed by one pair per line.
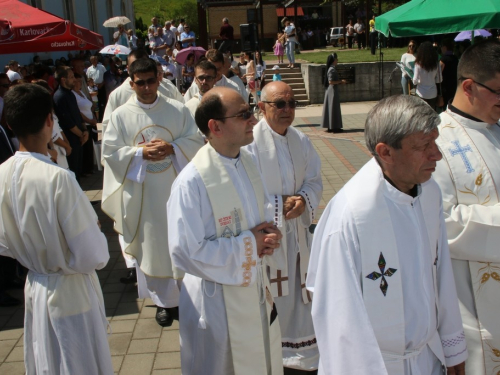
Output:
x,y
427,73
408,60
250,74
260,68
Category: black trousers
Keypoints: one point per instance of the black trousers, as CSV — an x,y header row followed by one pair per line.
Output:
x,y
360,38
226,45
75,159
373,42
349,40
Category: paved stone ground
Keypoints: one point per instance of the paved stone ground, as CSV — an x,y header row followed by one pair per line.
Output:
x,y
138,344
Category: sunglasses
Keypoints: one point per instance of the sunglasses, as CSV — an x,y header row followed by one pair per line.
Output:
x,y
149,82
281,104
205,78
244,115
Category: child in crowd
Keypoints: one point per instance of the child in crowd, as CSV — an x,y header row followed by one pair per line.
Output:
x,y
276,75
279,49
93,94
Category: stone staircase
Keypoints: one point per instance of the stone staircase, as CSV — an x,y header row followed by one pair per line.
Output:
x,y
294,78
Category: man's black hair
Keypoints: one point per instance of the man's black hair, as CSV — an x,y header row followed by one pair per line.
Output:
x,y
26,108
206,65
210,108
142,66
481,61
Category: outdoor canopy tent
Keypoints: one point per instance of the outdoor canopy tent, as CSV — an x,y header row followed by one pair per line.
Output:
x,y
430,17
24,28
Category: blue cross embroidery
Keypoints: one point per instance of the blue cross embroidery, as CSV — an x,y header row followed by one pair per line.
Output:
x,y
375,275
461,151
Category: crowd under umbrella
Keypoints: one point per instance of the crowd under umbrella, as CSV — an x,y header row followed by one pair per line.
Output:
x,y
185,52
115,21
470,34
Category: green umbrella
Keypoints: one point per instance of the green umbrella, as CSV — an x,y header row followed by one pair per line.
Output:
x,y
429,17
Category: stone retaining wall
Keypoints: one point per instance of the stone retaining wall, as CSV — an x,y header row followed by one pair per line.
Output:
x,y
366,87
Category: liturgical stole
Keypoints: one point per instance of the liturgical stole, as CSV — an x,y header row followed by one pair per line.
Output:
x,y
380,262
474,184
242,302
270,168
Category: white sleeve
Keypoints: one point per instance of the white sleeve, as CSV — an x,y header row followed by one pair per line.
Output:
x,y
178,159
137,170
473,230
345,336
416,75
197,252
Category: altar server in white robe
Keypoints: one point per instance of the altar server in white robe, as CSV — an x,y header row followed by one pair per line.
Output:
x,y
217,58
380,270
221,234
469,177
49,226
204,77
148,142
123,93
292,174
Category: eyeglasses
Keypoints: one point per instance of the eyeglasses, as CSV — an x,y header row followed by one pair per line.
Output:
x,y
281,104
205,78
149,82
497,93
244,115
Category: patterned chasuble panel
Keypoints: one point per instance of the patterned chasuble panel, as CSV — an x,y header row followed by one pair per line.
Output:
x,y
148,134
383,273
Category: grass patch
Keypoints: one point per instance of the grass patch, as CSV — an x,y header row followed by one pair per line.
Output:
x,y
346,56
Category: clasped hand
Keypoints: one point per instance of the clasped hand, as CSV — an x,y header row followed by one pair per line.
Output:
x,y
293,206
157,149
267,237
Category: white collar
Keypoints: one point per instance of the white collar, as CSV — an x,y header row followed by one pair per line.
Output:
x,y
147,106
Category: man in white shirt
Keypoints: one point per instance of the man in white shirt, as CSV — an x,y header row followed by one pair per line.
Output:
x,y
50,227
96,72
469,178
359,27
13,72
160,43
221,234
169,35
180,28
380,271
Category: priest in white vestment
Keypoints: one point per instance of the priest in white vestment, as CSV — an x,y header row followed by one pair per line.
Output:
x,y
292,174
217,58
380,270
205,74
48,224
469,177
122,94
147,143
222,235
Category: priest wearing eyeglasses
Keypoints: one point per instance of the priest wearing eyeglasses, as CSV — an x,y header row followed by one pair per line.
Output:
x,y
221,233
291,171
146,144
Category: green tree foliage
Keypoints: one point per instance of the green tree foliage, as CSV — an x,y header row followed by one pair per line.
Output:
x,y
167,10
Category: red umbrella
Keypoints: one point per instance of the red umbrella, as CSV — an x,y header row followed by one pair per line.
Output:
x,y
24,28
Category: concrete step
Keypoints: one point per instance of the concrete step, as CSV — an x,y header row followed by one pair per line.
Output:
x,y
269,75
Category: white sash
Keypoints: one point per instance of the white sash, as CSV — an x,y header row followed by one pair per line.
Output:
x,y
475,185
242,302
382,286
270,169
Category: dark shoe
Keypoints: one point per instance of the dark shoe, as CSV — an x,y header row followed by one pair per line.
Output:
x,y
164,317
7,300
130,278
329,131
174,312
338,130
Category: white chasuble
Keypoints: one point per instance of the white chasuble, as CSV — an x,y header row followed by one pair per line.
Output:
x,y
384,296
290,166
242,301
468,175
138,208
49,226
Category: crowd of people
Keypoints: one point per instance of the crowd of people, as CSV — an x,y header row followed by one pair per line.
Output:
x,y
213,210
